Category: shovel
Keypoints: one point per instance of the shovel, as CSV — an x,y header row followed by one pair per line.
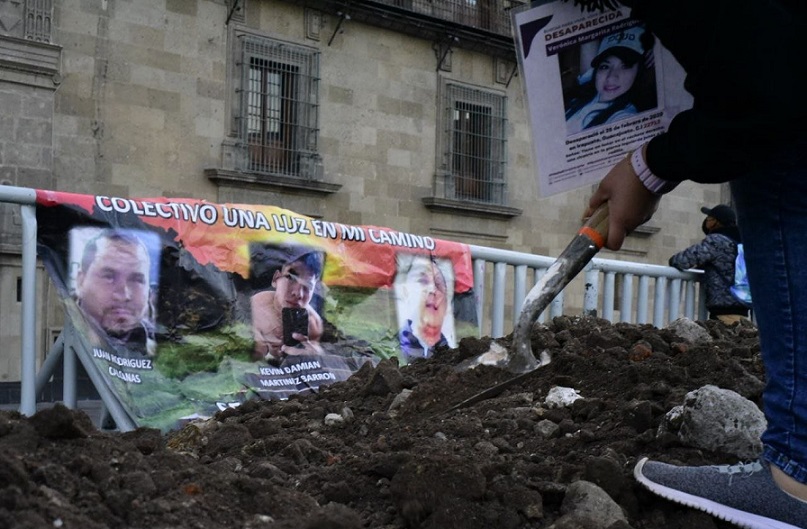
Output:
x,y
588,241
520,359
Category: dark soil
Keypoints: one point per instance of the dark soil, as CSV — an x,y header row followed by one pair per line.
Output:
x,y
278,465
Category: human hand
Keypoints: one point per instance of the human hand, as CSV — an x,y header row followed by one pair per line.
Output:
x,y
305,347
630,203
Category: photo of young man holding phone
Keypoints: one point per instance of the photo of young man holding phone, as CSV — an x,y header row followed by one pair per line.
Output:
x,y
283,320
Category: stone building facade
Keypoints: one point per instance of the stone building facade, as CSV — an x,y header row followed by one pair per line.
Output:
x,y
407,114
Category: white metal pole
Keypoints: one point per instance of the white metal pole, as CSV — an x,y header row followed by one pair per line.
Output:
x,y
28,367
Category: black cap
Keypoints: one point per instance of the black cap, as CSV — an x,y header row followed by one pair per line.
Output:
x,y
722,213
266,258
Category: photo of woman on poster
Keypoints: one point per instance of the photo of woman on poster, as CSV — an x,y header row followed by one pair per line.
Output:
x,y
618,82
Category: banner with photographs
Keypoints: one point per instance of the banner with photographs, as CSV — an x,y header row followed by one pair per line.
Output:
x,y
188,307
597,86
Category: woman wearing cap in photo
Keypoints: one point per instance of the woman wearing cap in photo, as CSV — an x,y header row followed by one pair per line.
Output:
x,y
716,255
610,88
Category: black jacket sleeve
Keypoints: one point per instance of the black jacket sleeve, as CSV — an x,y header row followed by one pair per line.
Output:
x,y
742,60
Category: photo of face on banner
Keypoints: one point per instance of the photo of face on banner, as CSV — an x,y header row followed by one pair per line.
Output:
x,y
609,79
114,278
284,318
424,291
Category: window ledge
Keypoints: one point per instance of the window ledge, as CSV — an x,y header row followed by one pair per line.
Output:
x,y
474,209
645,230
279,183
29,62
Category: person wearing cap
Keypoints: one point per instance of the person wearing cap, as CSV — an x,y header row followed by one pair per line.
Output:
x,y
747,130
716,255
293,287
610,89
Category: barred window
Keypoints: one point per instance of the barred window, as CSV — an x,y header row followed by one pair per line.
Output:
x,y
38,20
279,108
475,144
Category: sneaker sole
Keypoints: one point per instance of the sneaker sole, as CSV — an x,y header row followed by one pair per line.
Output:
x,y
718,510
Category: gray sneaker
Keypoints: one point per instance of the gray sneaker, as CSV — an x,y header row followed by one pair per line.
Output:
x,y
743,494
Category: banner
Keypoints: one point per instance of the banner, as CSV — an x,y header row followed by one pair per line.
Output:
x,y
188,307
598,85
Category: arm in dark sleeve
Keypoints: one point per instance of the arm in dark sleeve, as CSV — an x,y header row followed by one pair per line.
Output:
x,y
708,149
739,120
696,255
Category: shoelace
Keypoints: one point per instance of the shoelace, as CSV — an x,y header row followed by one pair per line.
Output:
x,y
746,469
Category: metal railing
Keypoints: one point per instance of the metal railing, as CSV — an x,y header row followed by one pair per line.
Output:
x,y
646,293
26,198
661,291
489,15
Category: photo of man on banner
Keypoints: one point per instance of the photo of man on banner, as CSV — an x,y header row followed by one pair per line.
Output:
x,y
424,292
284,321
114,277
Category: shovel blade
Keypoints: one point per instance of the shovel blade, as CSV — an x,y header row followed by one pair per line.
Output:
x,y
573,259
569,263
584,246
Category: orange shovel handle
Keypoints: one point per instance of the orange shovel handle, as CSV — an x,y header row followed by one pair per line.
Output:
x,y
596,226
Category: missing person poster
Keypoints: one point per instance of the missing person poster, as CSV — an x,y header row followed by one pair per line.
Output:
x,y
597,85
185,307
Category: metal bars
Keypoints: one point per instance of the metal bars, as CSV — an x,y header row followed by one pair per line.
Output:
x,y
607,288
474,143
668,287
38,20
279,115
487,15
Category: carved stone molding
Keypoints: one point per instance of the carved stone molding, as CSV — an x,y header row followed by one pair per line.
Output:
x,y
29,62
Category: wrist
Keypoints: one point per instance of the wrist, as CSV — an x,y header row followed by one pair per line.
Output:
x,y
654,184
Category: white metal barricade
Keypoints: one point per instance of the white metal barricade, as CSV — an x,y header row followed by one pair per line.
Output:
x,y
501,276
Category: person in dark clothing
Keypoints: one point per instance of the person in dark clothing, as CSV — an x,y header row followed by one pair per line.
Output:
x,y
716,255
747,130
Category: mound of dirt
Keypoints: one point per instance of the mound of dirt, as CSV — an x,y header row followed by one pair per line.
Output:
x,y
360,455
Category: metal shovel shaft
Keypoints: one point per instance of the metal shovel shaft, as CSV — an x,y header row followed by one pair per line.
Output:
x,y
569,263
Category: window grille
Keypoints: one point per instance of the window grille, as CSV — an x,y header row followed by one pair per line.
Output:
x,y
474,144
490,15
279,109
38,21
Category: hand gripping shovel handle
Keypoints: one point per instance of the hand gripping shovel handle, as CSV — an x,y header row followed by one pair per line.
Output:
x,y
588,241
